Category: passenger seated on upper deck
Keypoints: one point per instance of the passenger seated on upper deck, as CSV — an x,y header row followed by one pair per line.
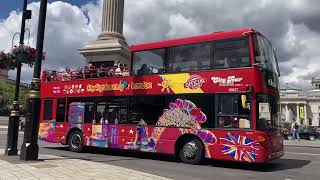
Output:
x,y
93,71
54,76
102,71
144,70
66,76
87,73
111,73
226,63
47,76
233,62
120,69
80,74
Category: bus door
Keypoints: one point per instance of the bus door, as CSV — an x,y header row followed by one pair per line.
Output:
x,y
60,127
52,128
48,122
94,114
116,117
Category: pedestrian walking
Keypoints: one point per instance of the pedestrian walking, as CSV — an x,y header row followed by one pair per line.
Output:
x,y
295,131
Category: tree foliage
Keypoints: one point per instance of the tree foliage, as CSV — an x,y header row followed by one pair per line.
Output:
x,y
7,95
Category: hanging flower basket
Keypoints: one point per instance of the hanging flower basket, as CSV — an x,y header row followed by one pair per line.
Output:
x,y
22,57
24,54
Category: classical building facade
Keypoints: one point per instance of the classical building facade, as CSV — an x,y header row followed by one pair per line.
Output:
x,y
315,82
300,106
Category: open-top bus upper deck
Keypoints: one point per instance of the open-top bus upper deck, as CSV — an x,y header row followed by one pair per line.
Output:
x,y
228,63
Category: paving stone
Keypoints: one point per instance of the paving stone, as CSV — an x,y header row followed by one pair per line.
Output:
x,y
54,167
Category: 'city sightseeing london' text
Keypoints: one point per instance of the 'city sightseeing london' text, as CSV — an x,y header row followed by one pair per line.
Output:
x,y
119,87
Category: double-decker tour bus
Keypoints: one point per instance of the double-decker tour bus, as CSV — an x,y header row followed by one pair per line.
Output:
x,y
210,96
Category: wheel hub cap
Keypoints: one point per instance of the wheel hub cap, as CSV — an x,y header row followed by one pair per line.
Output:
x,y
75,141
190,149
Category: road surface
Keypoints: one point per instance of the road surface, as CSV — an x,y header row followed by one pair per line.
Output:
x,y
298,163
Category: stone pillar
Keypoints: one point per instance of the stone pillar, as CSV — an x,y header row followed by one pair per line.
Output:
x,y
305,114
111,46
287,113
112,19
298,119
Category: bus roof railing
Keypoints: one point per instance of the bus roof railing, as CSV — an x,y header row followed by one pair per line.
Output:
x,y
84,73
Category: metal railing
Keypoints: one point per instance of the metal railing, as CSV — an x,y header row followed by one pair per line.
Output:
x,y
86,73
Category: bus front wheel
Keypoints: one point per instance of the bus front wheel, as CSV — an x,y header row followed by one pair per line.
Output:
x,y
75,141
191,152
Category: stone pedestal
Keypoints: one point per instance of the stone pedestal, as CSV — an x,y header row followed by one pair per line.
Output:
x,y
111,46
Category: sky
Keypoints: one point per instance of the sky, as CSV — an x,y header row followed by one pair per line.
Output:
x,y
292,26
9,5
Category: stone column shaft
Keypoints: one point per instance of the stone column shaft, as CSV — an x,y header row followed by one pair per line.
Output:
x,y
112,18
298,119
305,114
286,113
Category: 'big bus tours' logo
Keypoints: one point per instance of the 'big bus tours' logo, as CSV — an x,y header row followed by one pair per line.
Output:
x,y
194,82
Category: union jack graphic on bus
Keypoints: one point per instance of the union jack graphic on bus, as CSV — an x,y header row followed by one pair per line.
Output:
x,y
239,147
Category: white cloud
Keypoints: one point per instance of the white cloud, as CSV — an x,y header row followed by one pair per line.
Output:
x,y
67,30
301,41
181,26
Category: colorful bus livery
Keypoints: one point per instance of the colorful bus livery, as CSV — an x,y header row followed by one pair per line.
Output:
x,y
180,83
205,96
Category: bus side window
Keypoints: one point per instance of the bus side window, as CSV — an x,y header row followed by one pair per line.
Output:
x,y
61,109
149,108
232,112
89,112
191,57
232,53
47,114
111,111
148,62
102,113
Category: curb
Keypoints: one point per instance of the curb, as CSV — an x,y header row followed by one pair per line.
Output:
x,y
301,146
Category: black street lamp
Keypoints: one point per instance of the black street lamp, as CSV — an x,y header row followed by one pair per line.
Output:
x,y
13,125
30,148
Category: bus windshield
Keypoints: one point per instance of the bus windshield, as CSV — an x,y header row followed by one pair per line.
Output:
x,y
265,54
268,108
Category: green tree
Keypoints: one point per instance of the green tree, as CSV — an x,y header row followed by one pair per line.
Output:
x,y
7,94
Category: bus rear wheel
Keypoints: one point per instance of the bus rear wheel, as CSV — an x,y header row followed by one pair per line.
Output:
x,y
191,152
76,141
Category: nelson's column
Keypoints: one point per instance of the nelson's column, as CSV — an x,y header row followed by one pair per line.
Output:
x,y
110,47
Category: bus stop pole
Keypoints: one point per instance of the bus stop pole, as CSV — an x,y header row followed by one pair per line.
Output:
x,y
13,125
30,148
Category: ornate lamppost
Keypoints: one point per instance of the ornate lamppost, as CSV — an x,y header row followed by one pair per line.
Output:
x,y
30,148
13,125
